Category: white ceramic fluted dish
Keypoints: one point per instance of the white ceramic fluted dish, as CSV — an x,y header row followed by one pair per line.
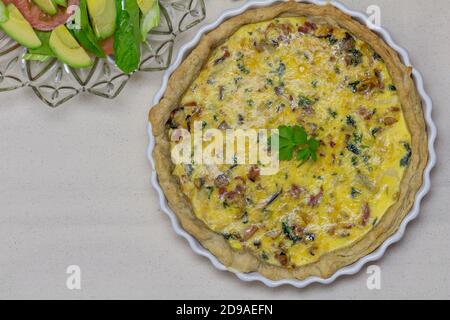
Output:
x,y
350,269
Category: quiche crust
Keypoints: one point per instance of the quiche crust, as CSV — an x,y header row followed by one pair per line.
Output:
x,y
330,262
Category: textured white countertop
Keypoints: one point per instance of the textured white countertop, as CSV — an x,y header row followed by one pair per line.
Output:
x,y
74,190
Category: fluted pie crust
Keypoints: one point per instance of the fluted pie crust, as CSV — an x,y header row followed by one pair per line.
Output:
x,y
332,261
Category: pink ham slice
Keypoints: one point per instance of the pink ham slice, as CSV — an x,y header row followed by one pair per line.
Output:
x,y
40,20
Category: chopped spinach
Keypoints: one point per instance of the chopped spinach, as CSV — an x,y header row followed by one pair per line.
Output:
x,y
331,39
355,57
210,191
332,113
376,56
392,87
355,192
289,232
405,161
357,137
354,85
350,121
374,131
245,217
354,149
281,69
305,102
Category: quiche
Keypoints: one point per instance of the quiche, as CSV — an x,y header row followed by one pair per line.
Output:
x,y
295,66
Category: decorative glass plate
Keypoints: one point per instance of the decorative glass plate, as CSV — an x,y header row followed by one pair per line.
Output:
x,y
54,83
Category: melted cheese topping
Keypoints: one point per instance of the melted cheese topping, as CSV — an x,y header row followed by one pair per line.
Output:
x,y
294,71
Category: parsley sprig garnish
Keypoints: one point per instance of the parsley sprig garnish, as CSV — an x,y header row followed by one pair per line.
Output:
x,y
294,139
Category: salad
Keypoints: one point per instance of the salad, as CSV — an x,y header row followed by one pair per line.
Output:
x,y
75,31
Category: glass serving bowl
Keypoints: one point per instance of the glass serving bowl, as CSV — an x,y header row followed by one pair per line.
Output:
x,y
54,83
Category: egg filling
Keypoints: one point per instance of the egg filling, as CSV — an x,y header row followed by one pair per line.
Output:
x,y
306,72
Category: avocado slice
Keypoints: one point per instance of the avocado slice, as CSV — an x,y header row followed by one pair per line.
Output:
x,y
85,34
4,14
67,49
62,3
103,16
48,6
20,29
151,16
146,5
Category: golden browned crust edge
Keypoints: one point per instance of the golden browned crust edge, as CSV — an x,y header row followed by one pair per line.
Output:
x,y
329,263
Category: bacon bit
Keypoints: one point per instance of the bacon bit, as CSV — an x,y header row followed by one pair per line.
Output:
x,y
307,27
283,38
365,214
192,111
232,195
348,226
394,109
190,104
324,32
332,144
222,191
311,25
371,82
278,90
364,113
249,232
299,231
295,191
286,28
240,179
262,46
226,54
254,173
221,181
348,42
333,156
236,197
315,199
221,92
379,78
282,258
292,102
239,189
271,35
388,121
199,182
303,29
348,60
332,231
